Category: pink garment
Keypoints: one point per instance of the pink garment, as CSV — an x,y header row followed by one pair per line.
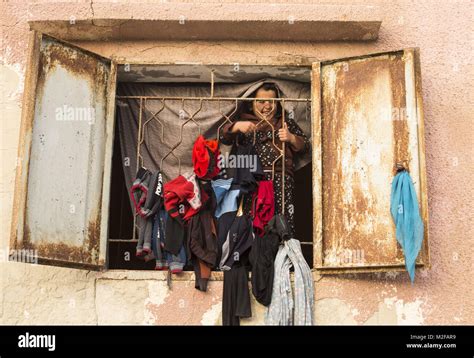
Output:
x,y
263,206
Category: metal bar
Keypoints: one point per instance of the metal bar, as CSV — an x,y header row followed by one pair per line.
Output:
x,y
214,98
123,240
283,161
135,240
154,116
264,119
226,117
212,83
138,163
140,134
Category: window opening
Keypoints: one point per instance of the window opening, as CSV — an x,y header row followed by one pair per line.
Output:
x,y
123,227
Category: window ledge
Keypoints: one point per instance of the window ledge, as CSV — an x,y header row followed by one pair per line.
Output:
x,y
152,275
162,275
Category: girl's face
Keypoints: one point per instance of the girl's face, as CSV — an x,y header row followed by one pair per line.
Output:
x,y
264,106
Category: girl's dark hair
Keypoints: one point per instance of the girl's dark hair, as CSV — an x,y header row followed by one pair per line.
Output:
x,y
267,86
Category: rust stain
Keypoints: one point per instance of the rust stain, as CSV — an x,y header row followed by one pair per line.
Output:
x,y
93,240
399,121
350,217
85,254
77,63
92,69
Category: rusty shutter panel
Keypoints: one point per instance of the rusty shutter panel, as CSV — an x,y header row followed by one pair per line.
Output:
x,y
62,184
367,117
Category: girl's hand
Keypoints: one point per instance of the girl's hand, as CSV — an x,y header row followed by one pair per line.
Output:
x,y
285,135
243,127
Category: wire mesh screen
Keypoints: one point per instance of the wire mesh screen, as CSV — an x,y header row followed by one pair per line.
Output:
x,y
187,125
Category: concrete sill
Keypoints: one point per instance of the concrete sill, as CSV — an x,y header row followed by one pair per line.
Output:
x,y
162,275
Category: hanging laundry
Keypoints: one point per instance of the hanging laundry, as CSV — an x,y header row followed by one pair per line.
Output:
x,y
236,295
262,257
175,234
164,259
285,309
235,263
238,240
248,168
406,216
226,199
205,158
185,190
202,239
142,192
146,202
223,226
264,140
263,206
139,188
183,198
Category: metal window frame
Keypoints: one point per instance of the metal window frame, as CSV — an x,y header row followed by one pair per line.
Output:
x,y
424,260
19,209
226,119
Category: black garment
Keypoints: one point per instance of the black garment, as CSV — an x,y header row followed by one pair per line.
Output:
x,y
146,192
202,239
223,226
175,234
236,296
245,177
154,198
262,257
235,262
279,225
238,241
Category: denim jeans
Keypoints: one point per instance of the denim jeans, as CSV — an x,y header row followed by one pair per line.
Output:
x,y
165,259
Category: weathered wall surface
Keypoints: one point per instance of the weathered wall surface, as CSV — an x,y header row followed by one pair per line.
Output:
x,y
32,294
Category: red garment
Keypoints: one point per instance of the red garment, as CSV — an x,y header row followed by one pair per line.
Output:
x,y
184,193
263,206
205,157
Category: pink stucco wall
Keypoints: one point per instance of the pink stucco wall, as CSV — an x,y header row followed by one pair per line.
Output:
x,y
443,30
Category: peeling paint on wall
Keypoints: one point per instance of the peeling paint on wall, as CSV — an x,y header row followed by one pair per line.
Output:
x,y
212,315
394,311
157,293
334,311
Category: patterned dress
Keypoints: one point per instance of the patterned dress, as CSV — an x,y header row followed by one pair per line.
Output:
x,y
265,148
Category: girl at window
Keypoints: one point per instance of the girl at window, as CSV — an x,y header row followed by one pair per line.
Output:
x,y
244,131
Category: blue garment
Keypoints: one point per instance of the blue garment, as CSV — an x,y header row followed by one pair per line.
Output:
x,y
406,215
226,199
165,259
156,242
